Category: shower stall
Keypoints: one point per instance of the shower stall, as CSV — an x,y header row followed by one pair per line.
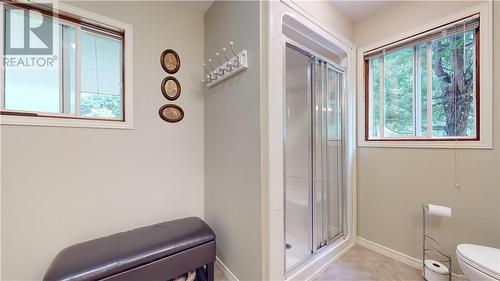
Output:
x,y
314,204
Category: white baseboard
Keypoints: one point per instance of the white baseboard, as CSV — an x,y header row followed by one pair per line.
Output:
x,y
226,270
411,261
388,252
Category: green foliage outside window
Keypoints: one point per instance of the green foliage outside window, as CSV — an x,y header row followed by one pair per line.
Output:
x,y
100,106
405,73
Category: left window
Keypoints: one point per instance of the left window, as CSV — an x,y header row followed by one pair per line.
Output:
x,y
58,66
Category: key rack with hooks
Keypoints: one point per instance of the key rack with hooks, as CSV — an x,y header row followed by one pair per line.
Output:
x,y
226,67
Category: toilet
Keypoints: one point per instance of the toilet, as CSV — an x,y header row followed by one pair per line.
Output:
x,y
479,263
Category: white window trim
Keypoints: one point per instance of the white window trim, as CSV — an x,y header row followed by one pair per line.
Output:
x,y
8,120
486,83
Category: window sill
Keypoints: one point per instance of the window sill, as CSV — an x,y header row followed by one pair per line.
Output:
x,y
473,144
14,120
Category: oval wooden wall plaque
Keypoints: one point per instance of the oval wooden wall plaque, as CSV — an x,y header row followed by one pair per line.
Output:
x,y
170,61
171,113
171,88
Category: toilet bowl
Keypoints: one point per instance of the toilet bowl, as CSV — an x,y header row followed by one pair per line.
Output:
x,y
479,263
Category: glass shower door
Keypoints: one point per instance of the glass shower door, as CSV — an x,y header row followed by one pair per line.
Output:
x,y
312,156
334,195
327,154
297,162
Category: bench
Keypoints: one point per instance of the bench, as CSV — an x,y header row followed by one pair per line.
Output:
x,y
157,252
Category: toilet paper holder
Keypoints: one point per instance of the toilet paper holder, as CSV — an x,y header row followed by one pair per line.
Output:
x,y
431,249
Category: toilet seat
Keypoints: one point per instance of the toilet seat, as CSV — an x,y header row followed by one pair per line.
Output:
x,y
482,258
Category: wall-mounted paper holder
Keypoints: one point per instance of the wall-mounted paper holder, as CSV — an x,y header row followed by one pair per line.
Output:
x,y
224,70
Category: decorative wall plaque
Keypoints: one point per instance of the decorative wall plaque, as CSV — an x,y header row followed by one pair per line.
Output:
x,y
170,61
171,88
171,113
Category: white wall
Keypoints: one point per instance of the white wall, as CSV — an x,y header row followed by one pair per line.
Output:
x,y
393,182
61,186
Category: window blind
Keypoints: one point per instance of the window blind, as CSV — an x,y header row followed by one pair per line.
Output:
x,y
460,26
100,64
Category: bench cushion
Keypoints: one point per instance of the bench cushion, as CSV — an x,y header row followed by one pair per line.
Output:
x,y
107,256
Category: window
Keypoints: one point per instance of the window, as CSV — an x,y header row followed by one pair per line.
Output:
x,y
61,66
425,87
101,91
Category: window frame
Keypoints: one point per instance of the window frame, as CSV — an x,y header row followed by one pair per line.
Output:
x,y
483,99
369,97
71,16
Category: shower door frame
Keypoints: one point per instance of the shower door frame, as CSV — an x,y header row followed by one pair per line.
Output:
x,y
282,16
312,96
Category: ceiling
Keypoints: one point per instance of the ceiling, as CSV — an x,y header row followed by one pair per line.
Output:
x,y
200,6
358,10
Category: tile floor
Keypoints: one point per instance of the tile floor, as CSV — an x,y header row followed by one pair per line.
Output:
x,y
363,264
220,274
359,264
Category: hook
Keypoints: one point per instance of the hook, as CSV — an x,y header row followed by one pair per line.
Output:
x,y
205,69
217,56
215,73
223,65
228,61
237,58
221,68
209,75
210,63
231,43
225,55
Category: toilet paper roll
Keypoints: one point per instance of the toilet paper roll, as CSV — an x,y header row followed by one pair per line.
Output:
x,y
440,211
435,271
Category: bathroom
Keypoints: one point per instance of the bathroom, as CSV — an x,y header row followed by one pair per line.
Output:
x,y
276,145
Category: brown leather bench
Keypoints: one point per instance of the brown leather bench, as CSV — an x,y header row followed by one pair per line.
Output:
x,y
158,252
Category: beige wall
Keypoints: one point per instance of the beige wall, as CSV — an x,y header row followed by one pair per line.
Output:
x,y
393,183
401,16
329,16
61,186
232,141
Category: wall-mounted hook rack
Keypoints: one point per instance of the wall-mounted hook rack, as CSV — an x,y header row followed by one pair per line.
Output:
x,y
229,68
